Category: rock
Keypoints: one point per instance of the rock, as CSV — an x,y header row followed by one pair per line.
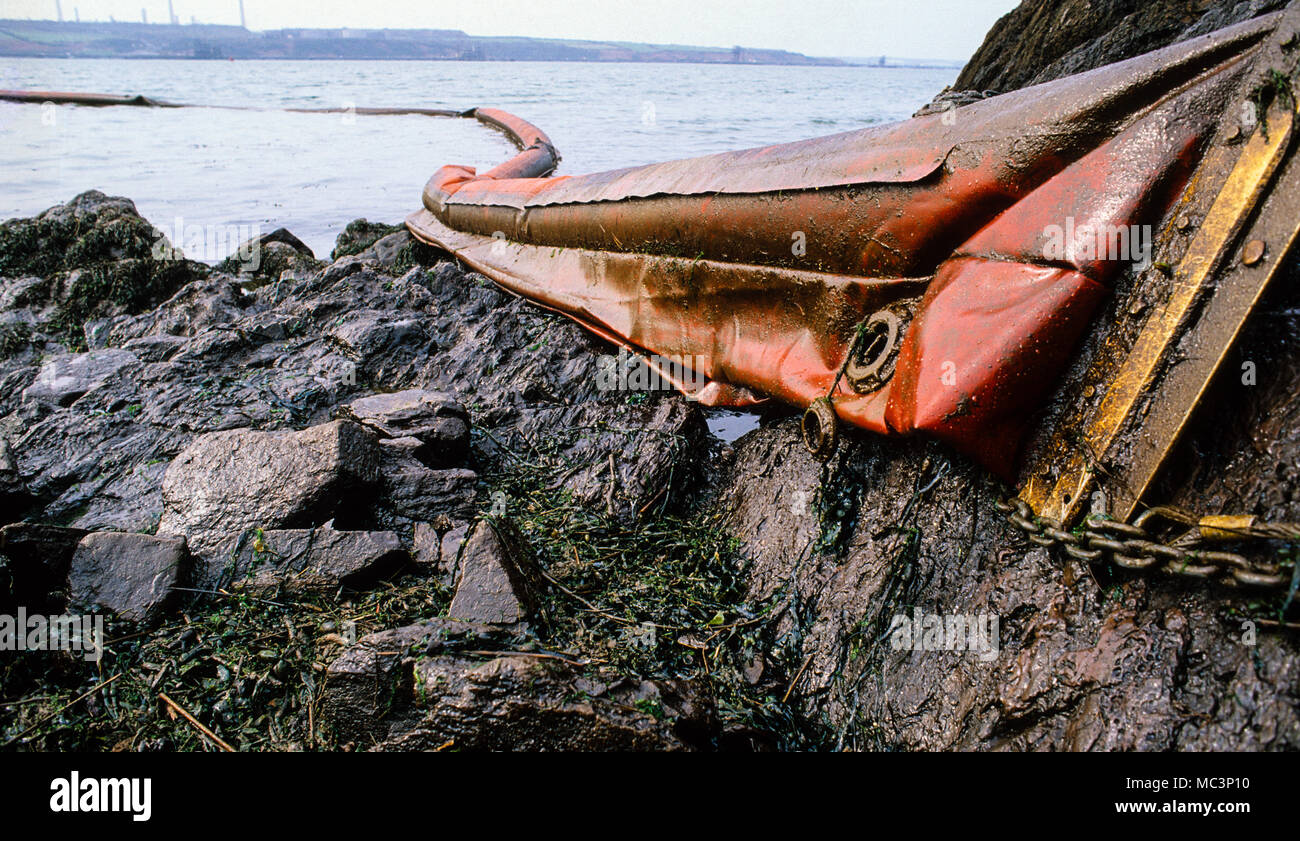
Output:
x,y
251,255
1041,40
412,689
215,302
65,378
365,335
40,557
267,257
362,683
436,551
284,237
225,483
523,703
96,257
426,545
435,419
452,541
318,558
90,229
495,582
620,459
412,492
359,235
388,252
130,575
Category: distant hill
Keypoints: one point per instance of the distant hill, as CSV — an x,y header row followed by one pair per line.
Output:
x,y
52,39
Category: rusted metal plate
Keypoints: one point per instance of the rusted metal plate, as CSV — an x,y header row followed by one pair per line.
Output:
x,y
1250,225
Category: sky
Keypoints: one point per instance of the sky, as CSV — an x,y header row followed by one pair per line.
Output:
x,y
949,29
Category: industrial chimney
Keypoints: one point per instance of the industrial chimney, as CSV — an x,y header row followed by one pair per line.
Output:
x,y
58,8
171,14
242,22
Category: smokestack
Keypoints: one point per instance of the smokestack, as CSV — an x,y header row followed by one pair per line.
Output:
x,y
76,14
171,14
58,8
144,16
242,22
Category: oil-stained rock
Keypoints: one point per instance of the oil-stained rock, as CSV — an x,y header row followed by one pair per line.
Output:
x,y
372,677
1041,40
624,460
1082,659
412,492
521,703
63,379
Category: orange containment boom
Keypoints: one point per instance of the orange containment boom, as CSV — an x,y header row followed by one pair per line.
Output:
x,y
933,275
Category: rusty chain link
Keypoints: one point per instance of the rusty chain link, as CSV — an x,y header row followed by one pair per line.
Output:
x,y
1133,546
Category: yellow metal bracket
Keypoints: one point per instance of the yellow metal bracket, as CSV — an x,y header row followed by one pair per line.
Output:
x,y
1247,232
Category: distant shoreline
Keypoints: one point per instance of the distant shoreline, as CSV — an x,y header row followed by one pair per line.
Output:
x,y
845,65
197,41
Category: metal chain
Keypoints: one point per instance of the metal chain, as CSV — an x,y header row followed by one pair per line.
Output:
x,y
1133,546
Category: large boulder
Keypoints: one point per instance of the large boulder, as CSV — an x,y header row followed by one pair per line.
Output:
x,y
226,483
95,256
130,575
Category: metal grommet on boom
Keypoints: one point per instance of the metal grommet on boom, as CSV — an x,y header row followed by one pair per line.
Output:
x,y
819,428
872,358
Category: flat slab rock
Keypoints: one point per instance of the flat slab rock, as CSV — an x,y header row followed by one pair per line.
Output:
x,y
317,557
131,575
